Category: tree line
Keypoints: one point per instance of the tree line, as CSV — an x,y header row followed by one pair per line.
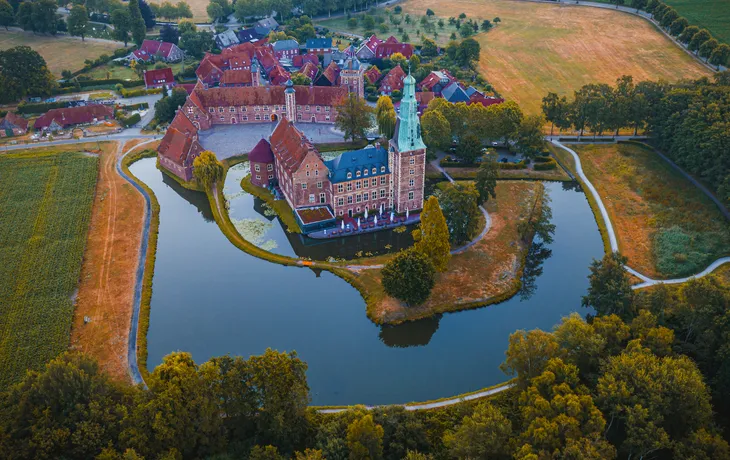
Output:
x,y
686,120
645,376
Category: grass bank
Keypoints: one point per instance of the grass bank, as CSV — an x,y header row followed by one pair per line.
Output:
x,y
282,208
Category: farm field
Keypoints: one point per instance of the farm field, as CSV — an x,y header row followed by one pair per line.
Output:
x,y
122,72
711,14
61,53
197,7
664,224
538,48
46,200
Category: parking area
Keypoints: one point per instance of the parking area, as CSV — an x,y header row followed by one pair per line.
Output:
x,y
229,140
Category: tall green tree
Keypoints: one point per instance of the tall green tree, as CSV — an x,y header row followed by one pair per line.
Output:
x,y
365,439
409,277
687,34
136,24
678,26
432,235
487,175
78,21
385,116
610,287
698,39
196,43
555,109
353,117
720,56
528,353
122,25
530,139
24,16
459,203
484,434
44,17
207,170
436,130
23,73
7,15
708,47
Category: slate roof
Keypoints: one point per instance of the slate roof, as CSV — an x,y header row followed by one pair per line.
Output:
x,y
454,93
285,45
248,35
471,90
261,153
357,160
323,42
226,39
268,22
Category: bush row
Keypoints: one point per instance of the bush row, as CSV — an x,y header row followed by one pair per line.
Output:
x,y
139,92
141,105
40,107
546,165
131,120
520,165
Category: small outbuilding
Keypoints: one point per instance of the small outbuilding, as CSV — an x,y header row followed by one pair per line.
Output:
x,y
261,161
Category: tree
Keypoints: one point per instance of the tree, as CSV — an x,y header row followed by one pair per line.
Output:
x,y
429,12
702,445
486,25
432,235
460,206
149,17
196,43
707,48
582,345
436,130
309,454
7,15
555,109
264,453
353,117
470,148
530,140
720,56
688,33
136,23
385,116
528,354
23,72
169,34
78,21
300,79
486,178
122,25
365,439
166,107
468,52
215,12
669,17
610,287
638,4
698,39
466,30
409,277
186,26
428,47
43,17
678,26
207,170
484,434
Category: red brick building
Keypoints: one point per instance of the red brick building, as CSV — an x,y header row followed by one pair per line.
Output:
x,y
386,50
13,125
179,148
158,78
392,81
261,160
56,119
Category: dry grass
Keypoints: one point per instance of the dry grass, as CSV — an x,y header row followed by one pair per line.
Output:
x,y
197,7
538,48
487,272
645,196
61,52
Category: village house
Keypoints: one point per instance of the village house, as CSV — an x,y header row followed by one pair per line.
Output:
x,y
268,22
157,78
153,50
330,76
261,161
309,70
436,81
278,76
319,46
13,125
238,57
367,49
301,59
387,49
455,92
179,148
226,39
352,77
56,119
373,75
392,81
252,35
236,78
286,49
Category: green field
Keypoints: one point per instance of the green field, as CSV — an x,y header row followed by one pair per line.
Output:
x,y
46,201
711,14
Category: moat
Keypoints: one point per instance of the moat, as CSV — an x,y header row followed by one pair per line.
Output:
x,y
209,299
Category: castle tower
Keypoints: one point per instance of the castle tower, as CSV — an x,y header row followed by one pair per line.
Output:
x,y
407,154
352,77
291,102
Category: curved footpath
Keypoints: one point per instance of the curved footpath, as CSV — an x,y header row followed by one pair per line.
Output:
x,y
612,235
139,276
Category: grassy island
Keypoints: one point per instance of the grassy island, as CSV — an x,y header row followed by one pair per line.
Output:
x,y
282,208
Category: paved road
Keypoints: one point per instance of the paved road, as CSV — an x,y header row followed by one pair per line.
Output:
x,y
612,235
125,135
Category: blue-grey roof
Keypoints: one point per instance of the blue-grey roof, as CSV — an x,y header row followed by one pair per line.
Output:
x,y
471,90
454,93
283,45
323,42
358,160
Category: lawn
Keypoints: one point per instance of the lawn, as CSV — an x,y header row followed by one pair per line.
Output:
x,y
486,273
60,52
538,48
122,72
664,224
46,200
414,29
711,14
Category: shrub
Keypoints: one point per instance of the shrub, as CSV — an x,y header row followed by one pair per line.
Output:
x,y
681,252
40,108
409,276
132,120
545,163
520,165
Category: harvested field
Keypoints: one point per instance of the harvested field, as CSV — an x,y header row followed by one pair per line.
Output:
x,y
664,224
46,199
60,52
487,272
110,261
538,48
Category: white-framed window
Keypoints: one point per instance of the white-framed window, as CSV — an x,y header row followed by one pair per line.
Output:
x,y
382,193
411,182
382,180
327,109
340,188
245,118
258,177
365,183
222,118
311,198
257,168
357,174
349,175
365,172
374,195
271,176
307,173
304,186
358,198
319,184
190,109
412,161
411,171
266,108
316,172
232,109
308,109
410,195
349,186
340,202
357,185
258,117
365,196
243,109
269,167
319,109
257,109
349,199
220,109
327,118
299,116
342,212
373,182
358,209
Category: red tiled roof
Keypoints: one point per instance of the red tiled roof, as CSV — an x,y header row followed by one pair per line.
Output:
x,y
387,49
180,141
278,76
391,40
266,95
157,76
433,79
424,97
309,70
394,79
189,87
300,59
236,77
261,153
372,42
15,120
207,66
152,48
331,73
290,146
486,101
266,58
236,60
74,115
373,74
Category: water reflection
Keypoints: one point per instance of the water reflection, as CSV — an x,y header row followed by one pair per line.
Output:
x,y
572,186
536,257
410,334
197,199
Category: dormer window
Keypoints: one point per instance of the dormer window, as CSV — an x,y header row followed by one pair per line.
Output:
x,y
190,109
375,171
382,169
349,175
220,109
232,109
365,172
357,174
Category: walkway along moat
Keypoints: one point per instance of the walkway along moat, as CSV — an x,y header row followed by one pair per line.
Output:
x,y
209,299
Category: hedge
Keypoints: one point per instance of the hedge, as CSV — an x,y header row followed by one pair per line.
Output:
x,y
545,166
520,165
141,105
129,121
111,81
140,92
42,107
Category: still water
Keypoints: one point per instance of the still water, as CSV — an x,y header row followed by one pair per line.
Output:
x,y
209,299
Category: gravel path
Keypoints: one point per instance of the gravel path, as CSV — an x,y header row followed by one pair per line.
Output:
x,y
612,235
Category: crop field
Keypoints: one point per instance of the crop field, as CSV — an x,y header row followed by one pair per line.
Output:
x,y
664,224
61,53
711,14
538,47
46,205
